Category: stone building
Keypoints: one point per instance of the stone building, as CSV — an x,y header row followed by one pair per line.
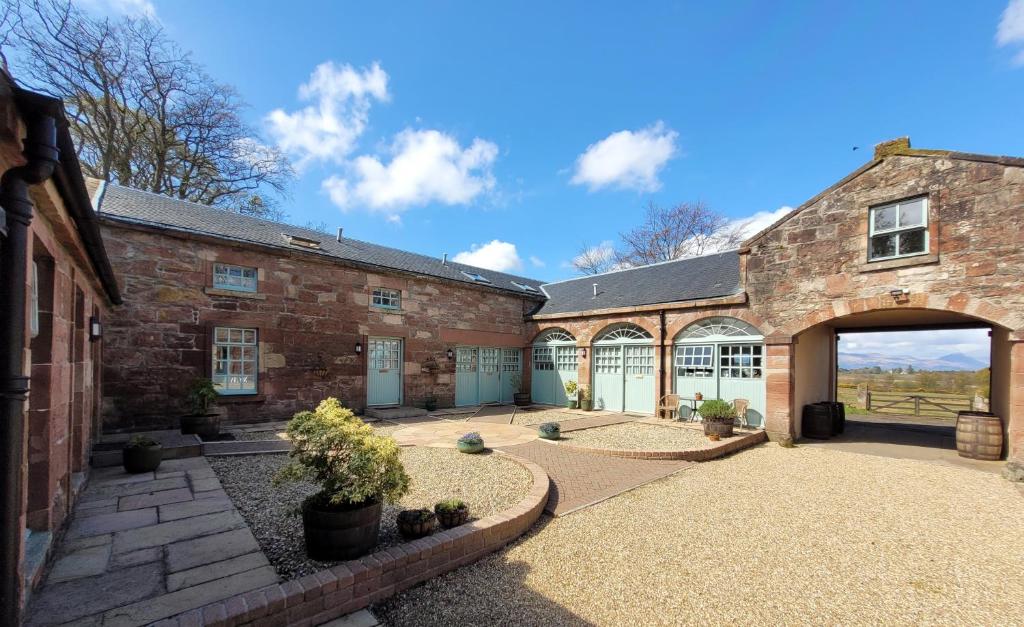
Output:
x,y
281,316
56,288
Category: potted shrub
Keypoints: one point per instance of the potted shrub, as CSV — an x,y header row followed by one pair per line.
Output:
x,y
718,416
697,396
141,454
549,430
430,403
519,397
356,471
586,401
203,420
570,392
416,523
451,513
470,443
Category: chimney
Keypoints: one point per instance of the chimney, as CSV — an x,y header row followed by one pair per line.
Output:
x,y
444,259
340,231
595,290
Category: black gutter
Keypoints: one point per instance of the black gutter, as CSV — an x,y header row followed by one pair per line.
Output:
x,y
41,153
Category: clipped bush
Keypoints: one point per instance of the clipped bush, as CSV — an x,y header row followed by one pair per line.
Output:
x,y
341,454
717,410
448,506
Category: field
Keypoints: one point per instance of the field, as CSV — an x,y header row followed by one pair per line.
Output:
x,y
934,394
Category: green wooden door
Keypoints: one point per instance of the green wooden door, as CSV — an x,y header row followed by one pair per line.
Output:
x,y
384,371
490,375
608,382
511,373
741,375
543,376
466,377
695,372
567,369
638,369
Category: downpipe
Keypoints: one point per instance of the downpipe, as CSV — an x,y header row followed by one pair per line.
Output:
x,y
41,153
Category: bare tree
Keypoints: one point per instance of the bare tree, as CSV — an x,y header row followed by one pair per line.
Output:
x,y
594,259
683,230
143,113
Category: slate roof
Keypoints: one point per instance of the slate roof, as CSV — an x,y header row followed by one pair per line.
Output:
x,y
125,204
695,278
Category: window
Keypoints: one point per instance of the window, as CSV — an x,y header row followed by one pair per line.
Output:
x,y
543,358
524,287
565,358
740,361
607,360
234,360
695,361
479,278
898,229
237,278
33,321
387,299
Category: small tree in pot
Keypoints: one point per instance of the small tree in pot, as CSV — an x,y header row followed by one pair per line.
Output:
x,y
141,454
586,399
718,416
570,393
356,470
520,396
203,420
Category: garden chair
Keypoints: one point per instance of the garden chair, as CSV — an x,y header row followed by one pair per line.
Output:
x,y
669,404
741,405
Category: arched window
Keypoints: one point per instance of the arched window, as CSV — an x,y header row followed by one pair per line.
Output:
x,y
553,336
624,333
717,329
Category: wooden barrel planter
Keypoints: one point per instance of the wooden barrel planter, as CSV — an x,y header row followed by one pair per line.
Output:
x,y
979,435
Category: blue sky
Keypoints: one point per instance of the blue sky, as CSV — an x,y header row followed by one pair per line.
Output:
x,y
443,127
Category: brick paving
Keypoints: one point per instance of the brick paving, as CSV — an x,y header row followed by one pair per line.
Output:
x,y
581,479
144,547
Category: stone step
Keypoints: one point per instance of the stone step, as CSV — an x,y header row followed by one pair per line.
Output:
x,y
107,452
394,413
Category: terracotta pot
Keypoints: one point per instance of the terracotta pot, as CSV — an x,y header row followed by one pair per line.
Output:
x,y
340,533
714,437
698,396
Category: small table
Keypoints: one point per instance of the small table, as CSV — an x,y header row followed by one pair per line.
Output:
x,y
692,400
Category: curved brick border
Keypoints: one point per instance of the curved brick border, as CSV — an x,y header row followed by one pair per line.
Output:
x,y
691,455
355,584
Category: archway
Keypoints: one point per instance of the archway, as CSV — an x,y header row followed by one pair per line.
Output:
x,y
554,363
623,369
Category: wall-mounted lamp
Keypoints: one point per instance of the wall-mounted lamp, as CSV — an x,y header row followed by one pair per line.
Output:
x,y
359,348
582,352
450,353
95,329
899,293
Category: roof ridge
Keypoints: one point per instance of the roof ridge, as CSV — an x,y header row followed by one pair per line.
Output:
x,y
648,265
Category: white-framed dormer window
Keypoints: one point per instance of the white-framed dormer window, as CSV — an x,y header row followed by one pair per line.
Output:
x,y
387,299
237,278
235,357
33,319
899,229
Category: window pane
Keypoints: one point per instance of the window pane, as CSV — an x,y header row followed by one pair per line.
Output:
x,y
885,218
912,213
883,246
912,242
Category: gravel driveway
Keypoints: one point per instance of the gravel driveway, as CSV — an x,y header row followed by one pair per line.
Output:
x,y
637,436
766,536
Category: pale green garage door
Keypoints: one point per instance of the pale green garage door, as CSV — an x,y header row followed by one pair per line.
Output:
x,y
623,370
384,371
485,374
722,358
554,364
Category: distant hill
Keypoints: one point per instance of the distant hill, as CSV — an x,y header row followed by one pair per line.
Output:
x,y
956,361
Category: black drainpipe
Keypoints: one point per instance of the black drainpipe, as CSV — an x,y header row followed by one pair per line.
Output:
x,y
661,356
40,150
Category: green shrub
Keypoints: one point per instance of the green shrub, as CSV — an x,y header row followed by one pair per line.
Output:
x,y
201,395
141,441
571,387
717,411
449,506
413,516
341,454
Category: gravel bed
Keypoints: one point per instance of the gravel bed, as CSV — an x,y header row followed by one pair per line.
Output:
x,y
542,415
252,436
637,436
488,483
767,536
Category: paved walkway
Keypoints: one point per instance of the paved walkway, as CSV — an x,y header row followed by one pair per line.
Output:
x,y
143,547
581,479
496,414
444,434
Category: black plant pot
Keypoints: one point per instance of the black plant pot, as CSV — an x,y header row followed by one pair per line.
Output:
x,y
139,459
723,429
206,426
340,533
521,399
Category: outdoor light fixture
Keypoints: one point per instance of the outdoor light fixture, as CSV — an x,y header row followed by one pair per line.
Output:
x,y
583,353
898,293
95,329
359,348
450,353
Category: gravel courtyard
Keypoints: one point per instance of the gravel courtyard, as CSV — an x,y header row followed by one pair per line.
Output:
x,y
637,436
770,535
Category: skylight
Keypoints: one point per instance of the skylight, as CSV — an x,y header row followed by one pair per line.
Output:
x,y
474,276
304,242
525,288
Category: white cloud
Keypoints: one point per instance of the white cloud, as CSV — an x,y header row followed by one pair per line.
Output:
x,y
426,166
494,255
536,261
1011,28
627,159
752,225
137,8
328,128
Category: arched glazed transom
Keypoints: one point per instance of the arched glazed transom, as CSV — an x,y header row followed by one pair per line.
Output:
x,y
555,336
718,329
623,333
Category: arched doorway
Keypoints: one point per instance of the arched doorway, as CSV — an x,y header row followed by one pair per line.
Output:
x,y
722,358
554,363
623,369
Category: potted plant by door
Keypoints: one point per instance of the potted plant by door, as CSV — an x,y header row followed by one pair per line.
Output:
x,y
718,416
356,471
570,393
141,454
451,513
586,401
519,397
203,420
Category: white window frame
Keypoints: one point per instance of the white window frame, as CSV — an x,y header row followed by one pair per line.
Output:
x,y
228,276
33,320
225,340
899,230
384,298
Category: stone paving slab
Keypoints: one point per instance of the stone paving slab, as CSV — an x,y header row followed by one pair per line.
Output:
x,y
208,549
152,499
443,434
108,523
496,414
218,570
175,511
581,479
176,530
68,601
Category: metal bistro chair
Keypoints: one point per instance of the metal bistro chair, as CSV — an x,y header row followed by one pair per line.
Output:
x,y
741,405
669,404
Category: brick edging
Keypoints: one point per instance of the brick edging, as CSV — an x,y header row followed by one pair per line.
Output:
x,y
355,584
692,455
